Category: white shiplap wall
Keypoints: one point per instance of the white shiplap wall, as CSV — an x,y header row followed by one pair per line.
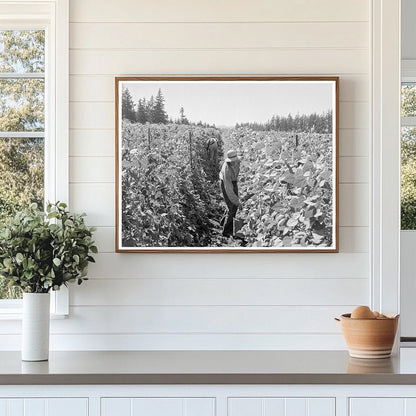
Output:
x,y
249,301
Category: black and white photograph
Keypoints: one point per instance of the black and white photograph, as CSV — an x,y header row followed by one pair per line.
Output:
x,y
227,164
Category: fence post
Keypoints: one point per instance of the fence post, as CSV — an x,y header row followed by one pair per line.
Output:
x,y
190,148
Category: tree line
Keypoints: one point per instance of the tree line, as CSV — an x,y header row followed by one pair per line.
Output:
x,y
317,123
151,110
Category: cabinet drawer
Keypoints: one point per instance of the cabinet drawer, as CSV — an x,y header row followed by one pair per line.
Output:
x,y
44,407
160,406
382,406
281,406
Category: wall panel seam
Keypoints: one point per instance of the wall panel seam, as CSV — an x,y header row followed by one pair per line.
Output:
x,y
203,22
215,49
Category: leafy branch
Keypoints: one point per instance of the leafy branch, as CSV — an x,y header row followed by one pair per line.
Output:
x,y
43,251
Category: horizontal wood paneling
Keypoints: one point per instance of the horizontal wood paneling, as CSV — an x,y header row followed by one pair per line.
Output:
x,y
352,239
354,205
96,199
354,169
218,35
200,319
215,301
194,319
96,88
354,115
219,11
93,143
92,115
91,169
220,291
104,238
220,62
265,265
192,341
99,88
354,142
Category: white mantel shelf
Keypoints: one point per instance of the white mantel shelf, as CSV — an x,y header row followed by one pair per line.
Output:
x,y
207,367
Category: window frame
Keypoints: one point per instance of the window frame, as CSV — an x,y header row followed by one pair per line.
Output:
x,y
408,76
53,17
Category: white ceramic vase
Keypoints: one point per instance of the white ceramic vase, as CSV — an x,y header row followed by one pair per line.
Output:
x,y
35,326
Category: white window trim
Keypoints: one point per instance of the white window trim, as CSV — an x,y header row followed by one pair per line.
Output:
x,y
57,104
408,75
385,116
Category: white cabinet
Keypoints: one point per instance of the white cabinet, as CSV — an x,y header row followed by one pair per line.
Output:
x,y
159,406
382,406
44,407
281,406
208,400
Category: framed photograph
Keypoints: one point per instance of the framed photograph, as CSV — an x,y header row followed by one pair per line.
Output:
x,y
227,164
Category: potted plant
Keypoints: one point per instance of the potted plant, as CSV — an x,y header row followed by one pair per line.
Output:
x,y
40,252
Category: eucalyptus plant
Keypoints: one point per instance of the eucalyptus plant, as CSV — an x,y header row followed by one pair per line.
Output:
x,y
42,251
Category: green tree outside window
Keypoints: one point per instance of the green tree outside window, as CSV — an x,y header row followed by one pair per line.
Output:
x,y
22,112
408,159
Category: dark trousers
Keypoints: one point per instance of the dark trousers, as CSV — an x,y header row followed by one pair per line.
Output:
x,y
227,221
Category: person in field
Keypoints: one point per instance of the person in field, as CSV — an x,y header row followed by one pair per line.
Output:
x,y
212,150
212,159
229,188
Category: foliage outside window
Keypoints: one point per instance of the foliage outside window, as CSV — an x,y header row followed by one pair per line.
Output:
x,y
408,157
22,124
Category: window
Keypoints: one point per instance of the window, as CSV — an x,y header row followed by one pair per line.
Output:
x,y
408,151
33,112
22,124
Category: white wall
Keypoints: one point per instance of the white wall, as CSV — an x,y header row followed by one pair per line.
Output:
x,y
214,301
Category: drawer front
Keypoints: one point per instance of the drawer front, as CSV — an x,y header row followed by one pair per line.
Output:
x,y
281,406
159,406
44,407
382,406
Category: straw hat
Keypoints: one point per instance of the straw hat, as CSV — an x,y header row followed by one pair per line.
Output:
x,y
232,156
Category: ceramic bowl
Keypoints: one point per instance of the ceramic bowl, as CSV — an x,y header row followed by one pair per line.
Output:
x,y
369,338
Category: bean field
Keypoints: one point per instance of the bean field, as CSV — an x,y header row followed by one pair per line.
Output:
x,y
171,197
288,180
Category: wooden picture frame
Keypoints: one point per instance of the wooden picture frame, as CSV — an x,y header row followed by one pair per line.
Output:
x,y
272,140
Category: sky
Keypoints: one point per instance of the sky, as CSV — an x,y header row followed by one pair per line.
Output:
x,y
225,103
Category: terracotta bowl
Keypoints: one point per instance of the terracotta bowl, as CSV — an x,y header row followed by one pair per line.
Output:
x,y
369,338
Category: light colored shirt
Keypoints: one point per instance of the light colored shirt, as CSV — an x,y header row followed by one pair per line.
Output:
x,y
229,175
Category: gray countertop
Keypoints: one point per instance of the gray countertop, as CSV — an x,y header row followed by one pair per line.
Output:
x,y
208,367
